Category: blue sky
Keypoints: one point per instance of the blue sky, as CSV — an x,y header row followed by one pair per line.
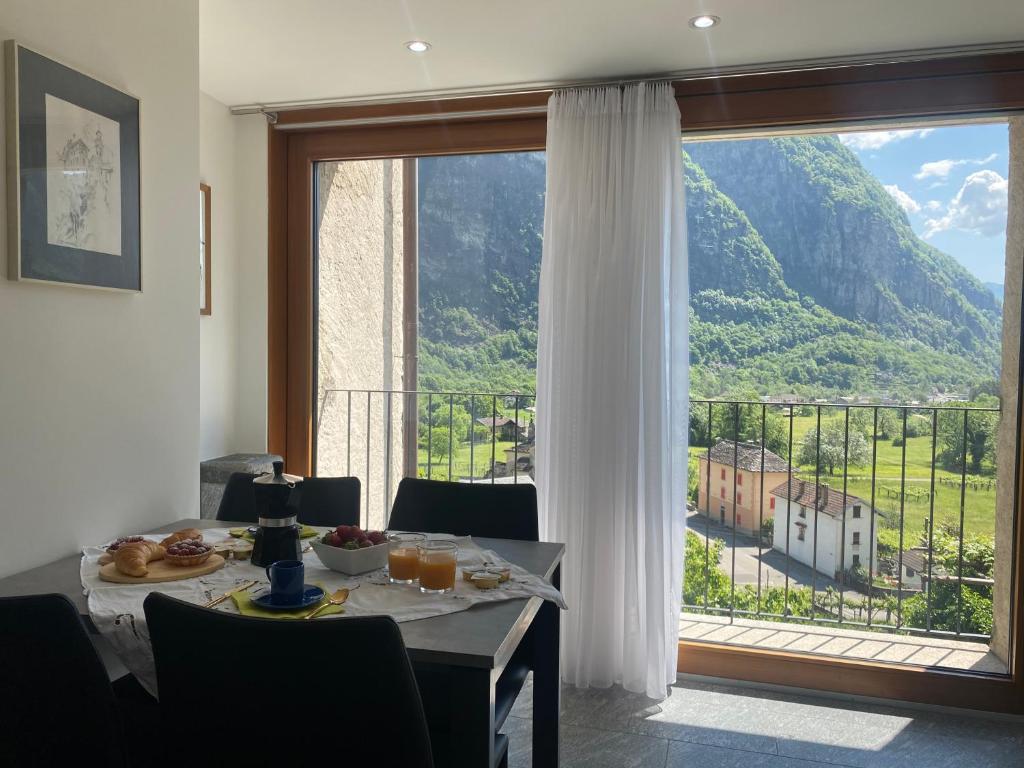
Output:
x,y
951,181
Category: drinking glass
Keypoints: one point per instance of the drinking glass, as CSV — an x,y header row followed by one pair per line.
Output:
x,y
437,566
403,557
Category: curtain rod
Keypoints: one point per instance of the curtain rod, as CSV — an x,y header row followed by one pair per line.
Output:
x,y
271,109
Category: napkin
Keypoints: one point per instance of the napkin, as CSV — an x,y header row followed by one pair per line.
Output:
x,y
243,600
306,532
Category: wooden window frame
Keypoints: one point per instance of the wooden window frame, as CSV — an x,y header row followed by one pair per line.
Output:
x,y
911,90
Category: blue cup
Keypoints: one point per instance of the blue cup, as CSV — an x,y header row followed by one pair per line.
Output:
x,y
287,581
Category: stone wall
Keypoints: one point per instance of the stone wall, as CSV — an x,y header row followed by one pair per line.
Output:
x,y
359,220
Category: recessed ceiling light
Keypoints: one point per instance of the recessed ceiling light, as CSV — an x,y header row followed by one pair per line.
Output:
x,y
704,21
418,46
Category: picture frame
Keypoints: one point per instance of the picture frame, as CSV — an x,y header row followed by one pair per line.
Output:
x,y
74,213
205,266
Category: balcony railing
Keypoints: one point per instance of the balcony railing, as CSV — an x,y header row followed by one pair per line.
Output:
x,y
797,469
945,440
381,436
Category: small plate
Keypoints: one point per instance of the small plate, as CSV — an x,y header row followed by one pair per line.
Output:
x,y
311,595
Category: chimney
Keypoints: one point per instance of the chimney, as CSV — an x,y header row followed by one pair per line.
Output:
x,y
824,497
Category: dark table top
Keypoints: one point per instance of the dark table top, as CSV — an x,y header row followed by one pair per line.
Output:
x,y
483,636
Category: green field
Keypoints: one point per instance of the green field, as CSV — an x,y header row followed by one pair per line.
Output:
x,y
979,503
481,460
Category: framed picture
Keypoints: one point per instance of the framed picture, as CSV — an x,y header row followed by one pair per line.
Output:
x,y
74,215
205,290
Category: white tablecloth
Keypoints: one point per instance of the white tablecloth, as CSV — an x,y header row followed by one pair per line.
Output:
x,y
116,609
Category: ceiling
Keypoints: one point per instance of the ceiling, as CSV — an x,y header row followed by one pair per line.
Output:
x,y
274,52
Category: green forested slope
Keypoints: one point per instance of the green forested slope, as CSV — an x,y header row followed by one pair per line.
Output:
x,y
804,275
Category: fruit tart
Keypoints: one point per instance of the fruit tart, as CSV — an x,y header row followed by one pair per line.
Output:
x,y
117,543
188,552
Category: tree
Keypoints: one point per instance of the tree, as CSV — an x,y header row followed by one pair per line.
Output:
x,y
440,443
697,580
834,446
952,607
980,433
440,415
724,417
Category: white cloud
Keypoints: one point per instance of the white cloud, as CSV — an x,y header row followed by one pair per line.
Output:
x,y
905,201
942,168
932,205
979,207
862,140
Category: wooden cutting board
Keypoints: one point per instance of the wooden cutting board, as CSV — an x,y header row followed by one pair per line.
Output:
x,y
161,570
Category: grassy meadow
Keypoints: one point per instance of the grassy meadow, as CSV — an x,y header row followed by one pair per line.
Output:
x,y
979,502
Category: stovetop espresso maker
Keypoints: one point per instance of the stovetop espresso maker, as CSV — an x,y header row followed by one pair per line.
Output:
x,y
277,532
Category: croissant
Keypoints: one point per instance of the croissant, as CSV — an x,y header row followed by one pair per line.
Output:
x,y
186,533
131,559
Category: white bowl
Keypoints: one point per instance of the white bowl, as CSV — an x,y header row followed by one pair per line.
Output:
x,y
352,561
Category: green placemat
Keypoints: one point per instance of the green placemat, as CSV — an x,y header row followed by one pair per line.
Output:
x,y
244,602
306,532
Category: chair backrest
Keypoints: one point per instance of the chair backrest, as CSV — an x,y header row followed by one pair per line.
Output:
x,y
334,685
500,511
329,501
238,504
56,703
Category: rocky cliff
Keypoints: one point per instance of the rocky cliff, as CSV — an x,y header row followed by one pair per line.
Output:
x,y
804,275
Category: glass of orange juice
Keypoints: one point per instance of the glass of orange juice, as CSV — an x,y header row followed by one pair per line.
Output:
x,y
404,557
437,566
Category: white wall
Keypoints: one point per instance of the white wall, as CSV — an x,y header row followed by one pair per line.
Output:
x,y
825,546
99,424
218,363
233,340
251,217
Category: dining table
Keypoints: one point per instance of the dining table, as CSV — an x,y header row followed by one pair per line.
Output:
x,y
468,649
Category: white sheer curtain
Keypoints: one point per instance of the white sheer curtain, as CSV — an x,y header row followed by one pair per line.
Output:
x,y
612,383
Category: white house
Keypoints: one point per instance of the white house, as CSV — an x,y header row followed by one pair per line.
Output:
x,y
817,540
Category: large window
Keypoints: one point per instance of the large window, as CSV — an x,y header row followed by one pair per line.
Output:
x,y
846,338
886,377
847,347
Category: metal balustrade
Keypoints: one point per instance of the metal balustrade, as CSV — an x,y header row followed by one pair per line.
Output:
x,y
401,431
732,421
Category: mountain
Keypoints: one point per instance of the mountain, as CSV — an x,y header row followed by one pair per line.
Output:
x,y
843,241
997,290
804,275
481,224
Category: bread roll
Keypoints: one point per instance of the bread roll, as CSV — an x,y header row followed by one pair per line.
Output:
x,y
185,533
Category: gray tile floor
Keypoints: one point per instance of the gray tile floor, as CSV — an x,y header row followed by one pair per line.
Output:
x,y
703,725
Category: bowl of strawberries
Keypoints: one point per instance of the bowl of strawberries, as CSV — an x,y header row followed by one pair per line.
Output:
x,y
350,550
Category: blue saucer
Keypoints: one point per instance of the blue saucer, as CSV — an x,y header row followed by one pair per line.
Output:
x,y
311,595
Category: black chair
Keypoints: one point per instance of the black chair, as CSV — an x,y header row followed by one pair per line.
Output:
x,y
305,689
499,511
56,703
329,501
238,504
